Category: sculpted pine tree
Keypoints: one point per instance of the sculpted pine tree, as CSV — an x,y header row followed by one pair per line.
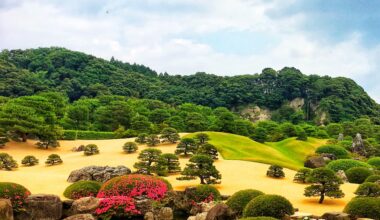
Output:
x,y
275,171
7,162
169,135
201,166
152,140
147,158
53,159
208,149
186,146
130,147
324,183
141,138
167,164
29,161
202,138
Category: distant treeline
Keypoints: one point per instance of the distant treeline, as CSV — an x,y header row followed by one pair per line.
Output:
x,y
78,75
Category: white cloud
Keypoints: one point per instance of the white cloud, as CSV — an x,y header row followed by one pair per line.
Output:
x,y
164,40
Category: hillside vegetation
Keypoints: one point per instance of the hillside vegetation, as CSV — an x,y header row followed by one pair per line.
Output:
x,y
27,72
289,153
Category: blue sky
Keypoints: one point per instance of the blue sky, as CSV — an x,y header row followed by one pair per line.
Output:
x,y
224,37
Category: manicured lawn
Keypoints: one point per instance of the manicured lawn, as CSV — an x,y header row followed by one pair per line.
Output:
x,y
288,153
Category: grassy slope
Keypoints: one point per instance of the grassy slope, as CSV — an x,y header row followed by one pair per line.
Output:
x,y
288,153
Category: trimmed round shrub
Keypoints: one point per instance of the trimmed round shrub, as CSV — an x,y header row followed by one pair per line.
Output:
x,y
204,193
134,185
7,162
373,178
338,151
275,171
268,205
53,159
375,162
91,149
345,164
29,161
130,147
368,190
259,218
81,189
14,192
121,207
301,175
240,199
346,144
368,207
358,174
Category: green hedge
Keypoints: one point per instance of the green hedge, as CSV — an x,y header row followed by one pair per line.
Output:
x,y
87,135
364,207
345,164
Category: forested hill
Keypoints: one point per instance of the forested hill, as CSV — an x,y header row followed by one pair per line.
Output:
x,y
26,72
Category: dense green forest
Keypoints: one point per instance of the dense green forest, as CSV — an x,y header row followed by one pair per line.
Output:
x,y
52,93
78,75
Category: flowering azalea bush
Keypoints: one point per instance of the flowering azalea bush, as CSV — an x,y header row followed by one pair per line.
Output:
x,y
116,206
15,193
134,185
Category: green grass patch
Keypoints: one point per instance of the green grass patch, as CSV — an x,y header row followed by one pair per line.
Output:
x,y
289,153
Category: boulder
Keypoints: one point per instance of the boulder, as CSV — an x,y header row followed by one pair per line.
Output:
x,y
199,216
165,213
342,175
220,211
84,205
43,207
336,216
358,145
98,173
315,162
6,211
143,204
66,206
81,217
149,216
328,157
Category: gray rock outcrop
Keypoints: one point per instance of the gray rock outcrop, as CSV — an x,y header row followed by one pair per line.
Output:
x,y
6,211
98,173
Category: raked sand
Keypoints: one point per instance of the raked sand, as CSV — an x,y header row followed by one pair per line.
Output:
x,y
236,175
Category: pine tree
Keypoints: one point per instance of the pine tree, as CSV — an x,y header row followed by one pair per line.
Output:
x,y
186,146
324,183
167,164
147,159
201,166
208,149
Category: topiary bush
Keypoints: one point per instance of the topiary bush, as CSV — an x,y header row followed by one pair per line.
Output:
x,y
275,171
130,147
368,190
368,207
134,185
91,149
53,159
121,207
373,178
29,161
345,164
338,151
268,205
204,193
358,174
375,162
7,162
301,175
240,199
81,189
14,192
